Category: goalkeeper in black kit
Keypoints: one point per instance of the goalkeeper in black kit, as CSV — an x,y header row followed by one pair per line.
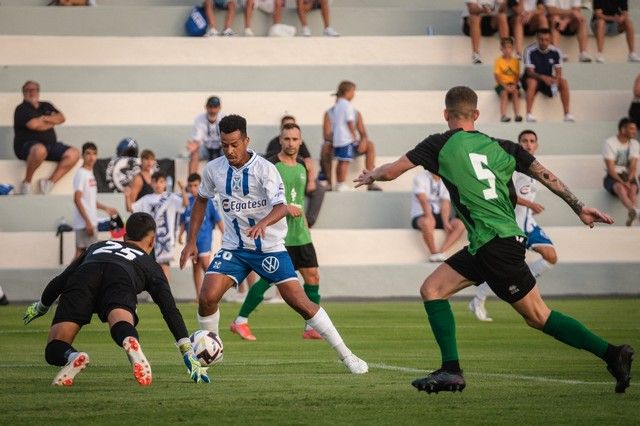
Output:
x,y
106,280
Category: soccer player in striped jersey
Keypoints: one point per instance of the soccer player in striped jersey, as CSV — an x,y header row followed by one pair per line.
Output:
x,y
253,210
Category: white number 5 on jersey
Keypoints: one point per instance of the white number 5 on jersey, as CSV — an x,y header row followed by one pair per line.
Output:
x,y
477,161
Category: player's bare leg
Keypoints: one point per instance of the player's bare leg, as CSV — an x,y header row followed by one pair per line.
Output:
x,y
125,335
214,286
59,352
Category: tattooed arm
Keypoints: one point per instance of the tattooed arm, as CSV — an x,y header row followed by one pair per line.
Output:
x,y
586,214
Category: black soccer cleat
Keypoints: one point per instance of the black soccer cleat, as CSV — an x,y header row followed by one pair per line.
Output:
x,y
440,380
621,368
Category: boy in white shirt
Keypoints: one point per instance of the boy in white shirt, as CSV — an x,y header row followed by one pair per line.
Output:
x,y
85,191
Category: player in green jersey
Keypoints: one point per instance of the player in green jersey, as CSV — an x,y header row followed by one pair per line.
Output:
x,y
477,171
298,240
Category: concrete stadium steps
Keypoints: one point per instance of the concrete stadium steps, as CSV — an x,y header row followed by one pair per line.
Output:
x,y
262,51
167,141
266,108
348,211
145,78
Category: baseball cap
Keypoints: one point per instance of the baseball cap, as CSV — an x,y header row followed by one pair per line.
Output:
x,y
213,101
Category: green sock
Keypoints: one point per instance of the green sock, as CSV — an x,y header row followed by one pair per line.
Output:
x,y
574,333
443,326
255,295
312,292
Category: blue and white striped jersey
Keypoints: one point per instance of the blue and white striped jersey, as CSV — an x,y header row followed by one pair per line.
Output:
x,y
247,195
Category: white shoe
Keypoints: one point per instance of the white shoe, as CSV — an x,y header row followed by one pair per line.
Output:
x,y
633,57
228,33
45,186
68,372
437,257
212,32
569,118
25,188
139,363
355,364
584,57
343,187
248,32
531,118
476,59
330,32
477,307
599,59
306,31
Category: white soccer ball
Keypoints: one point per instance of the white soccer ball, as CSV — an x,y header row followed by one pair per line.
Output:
x,y
207,347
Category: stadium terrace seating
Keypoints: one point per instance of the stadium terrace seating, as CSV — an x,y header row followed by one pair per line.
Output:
x,y
124,68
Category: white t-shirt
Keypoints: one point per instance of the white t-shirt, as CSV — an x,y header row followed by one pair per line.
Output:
x,y
494,5
247,195
564,4
620,153
436,192
525,188
340,114
529,5
165,209
85,182
207,133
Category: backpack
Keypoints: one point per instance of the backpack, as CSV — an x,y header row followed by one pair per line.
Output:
x,y
196,24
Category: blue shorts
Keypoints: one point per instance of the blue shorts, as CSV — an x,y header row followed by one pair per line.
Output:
x,y
224,4
203,243
346,153
275,267
537,237
55,151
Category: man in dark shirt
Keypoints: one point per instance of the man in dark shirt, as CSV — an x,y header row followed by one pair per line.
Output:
x,y
611,17
35,138
106,280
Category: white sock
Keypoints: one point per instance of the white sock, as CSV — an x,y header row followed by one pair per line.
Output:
x,y
481,291
210,322
1,292
241,320
539,267
323,325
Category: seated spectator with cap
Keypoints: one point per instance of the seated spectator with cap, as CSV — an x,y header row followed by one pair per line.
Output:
x,y
205,135
611,17
35,139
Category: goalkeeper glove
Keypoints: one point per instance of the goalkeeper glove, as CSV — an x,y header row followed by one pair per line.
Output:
x,y
34,310
196,371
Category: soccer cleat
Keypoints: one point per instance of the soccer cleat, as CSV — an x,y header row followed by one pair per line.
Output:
x,y
311,334
68,372
631,216
440,380
477,307
621,369
139,363
355,364
242,330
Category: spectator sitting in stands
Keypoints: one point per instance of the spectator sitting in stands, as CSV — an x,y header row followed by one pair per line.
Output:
x,y
484,17
141,184
85,191
506,72
304,6
431,210
621,154
205,135
634,108
565,17
313,191
611,17
230,6
35,138
528,16
543,73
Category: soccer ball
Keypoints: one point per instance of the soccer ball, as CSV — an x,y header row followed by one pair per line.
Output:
x,y
207,347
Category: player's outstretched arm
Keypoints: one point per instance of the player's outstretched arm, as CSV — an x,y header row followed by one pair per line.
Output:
x,y
588,215
197,372
386,172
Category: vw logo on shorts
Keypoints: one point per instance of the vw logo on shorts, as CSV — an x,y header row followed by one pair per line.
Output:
x,y
270,264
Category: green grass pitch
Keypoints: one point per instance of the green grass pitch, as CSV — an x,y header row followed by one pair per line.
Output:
x,y
515,375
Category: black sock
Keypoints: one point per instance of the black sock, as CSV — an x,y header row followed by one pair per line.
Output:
x,y
451,366
611,355
57,351
121,330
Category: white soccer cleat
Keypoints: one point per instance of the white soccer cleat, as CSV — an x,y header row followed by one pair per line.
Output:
x,y
355,364
139,363
69,371
477,307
